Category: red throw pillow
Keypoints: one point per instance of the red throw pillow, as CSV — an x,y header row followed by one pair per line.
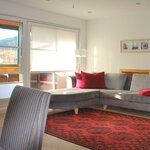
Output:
x,y
145,92
79,83
93,80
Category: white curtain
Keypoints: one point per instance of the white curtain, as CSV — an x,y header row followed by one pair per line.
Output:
x,y
52,49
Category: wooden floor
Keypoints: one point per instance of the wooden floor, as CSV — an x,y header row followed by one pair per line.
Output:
x,y
53,143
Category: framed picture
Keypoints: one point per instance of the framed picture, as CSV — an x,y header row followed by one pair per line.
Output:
x,y
142,45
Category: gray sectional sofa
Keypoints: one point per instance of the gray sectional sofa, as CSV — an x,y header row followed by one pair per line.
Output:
x,y
122,91
128,96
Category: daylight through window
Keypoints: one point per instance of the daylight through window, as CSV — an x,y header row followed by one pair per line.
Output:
x,y
52,49
9,42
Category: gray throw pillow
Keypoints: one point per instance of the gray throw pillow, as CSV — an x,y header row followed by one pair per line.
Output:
x,y
115,81
140,81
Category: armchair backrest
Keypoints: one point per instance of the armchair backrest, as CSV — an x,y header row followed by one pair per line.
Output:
x,y
25,119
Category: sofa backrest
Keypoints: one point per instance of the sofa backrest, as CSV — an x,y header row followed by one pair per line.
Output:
x,y
128,82
115,81
140,81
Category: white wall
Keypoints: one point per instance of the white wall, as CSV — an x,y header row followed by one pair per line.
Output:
x,y
104,36
9,10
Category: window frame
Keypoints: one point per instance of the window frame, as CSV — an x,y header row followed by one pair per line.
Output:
x,y
11,25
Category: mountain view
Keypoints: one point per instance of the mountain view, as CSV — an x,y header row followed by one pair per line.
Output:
x,y
9,55
13,41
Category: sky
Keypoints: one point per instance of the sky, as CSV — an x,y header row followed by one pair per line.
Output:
x,y
6,33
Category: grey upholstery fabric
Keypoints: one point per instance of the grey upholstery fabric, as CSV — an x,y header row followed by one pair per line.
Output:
x,y
115,81
74,98
74,94
1,148
118,93
124,95
140,81
125,104
73,81
25,119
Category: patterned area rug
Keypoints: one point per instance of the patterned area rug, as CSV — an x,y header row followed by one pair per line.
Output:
x,y
100,130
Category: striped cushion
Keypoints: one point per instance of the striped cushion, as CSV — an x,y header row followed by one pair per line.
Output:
x,y
25,119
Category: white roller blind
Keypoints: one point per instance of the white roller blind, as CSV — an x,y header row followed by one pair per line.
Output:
x,y
52,49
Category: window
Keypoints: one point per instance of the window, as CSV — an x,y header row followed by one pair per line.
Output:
x,y
10,51
52,49
9,42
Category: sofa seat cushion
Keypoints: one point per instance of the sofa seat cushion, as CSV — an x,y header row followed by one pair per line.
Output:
x,y
73,94
74,98
124,95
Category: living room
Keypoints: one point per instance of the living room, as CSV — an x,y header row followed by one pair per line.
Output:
x,y
100,36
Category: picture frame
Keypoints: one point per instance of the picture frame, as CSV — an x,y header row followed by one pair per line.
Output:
x,y
139,45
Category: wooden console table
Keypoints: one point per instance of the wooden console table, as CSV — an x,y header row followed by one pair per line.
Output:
x,y
131,71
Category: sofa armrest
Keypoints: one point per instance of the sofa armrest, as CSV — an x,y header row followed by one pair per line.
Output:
x,y
73,81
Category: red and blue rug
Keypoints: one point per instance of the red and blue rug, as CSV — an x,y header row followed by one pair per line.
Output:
x,y
100,130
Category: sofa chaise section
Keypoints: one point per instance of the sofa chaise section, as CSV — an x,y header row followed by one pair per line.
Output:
x,y
126,99
74,98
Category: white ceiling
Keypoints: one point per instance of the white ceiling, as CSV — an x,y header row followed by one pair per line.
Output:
x,y
99,8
